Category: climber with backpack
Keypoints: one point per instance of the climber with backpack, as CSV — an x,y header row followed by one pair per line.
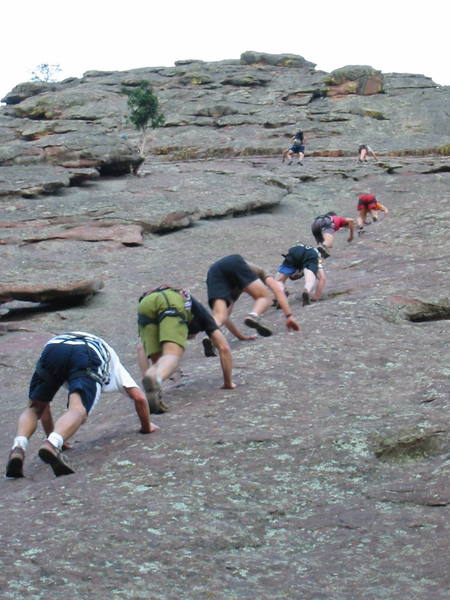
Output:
x,y
87,366
325,226
167,317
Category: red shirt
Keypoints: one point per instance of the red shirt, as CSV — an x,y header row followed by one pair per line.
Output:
x,y
367,198
338,222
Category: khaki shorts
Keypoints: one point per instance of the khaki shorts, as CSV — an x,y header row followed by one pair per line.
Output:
x,y
170,329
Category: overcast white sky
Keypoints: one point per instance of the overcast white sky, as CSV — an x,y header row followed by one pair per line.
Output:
x,y
390,35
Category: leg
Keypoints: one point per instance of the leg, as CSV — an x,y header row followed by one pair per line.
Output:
x,y
28,420
361,218
282,277
220,311
321,281
142,358
65,427
71,421
310,280
163,366
328,239
258,291
26,426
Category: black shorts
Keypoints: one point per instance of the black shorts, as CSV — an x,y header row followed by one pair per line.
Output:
x,y
65,363
319,227
297,148
302,257
227,278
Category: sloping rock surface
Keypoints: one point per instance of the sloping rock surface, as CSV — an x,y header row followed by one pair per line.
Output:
x,y
326,472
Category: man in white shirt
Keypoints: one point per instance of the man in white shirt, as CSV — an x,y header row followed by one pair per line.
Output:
x,y
87,366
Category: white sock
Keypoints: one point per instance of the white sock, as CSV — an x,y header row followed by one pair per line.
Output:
x,y
21,441
56,440
254,315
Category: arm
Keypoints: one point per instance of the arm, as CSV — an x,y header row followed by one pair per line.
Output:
x,y
350,223
142,410
278,289
226,360
235,331
382,208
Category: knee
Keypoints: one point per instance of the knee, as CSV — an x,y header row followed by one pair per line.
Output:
x,y
37,408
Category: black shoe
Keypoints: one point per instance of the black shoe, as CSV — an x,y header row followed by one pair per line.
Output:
x,y
208,347
54,457
14,468
306,298
323,252
255,323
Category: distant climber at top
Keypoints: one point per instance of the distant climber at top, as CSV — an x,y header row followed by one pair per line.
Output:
x,y
364,152
297,148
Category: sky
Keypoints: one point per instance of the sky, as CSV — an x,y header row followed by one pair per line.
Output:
x,y
390,35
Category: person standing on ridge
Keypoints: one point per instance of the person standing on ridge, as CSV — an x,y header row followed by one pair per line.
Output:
x,y
364,152
297,148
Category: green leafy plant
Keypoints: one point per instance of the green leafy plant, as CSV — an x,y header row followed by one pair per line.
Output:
x,y
144,111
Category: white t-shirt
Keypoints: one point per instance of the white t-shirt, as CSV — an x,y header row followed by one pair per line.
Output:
x,y
115,376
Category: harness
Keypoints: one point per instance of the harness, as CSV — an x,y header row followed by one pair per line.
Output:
x,y
324,221
170,311
100,373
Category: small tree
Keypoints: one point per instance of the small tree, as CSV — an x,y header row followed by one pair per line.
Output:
x,y
143,106
45,72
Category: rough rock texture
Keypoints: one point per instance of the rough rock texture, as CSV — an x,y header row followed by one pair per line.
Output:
x,y
326,473
51,292
358,79
224,108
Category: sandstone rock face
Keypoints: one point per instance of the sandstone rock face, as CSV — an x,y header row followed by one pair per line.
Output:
x,y
69,292
225,108
325,473
362,80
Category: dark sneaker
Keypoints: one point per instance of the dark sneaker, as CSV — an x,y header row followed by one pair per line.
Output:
x,y
54,457
14,468
208,347
154,396
324,253
256,323
306,298
374,219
